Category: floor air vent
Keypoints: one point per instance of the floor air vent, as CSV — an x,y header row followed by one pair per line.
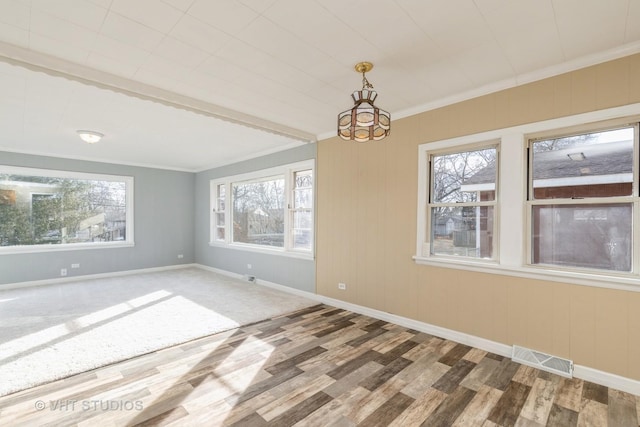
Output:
x,y
542,361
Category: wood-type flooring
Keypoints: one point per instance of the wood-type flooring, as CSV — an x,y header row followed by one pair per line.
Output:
x,y
320,366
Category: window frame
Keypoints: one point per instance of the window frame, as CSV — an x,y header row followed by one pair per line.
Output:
x,y
427,246
287,172
54,173
632,199
513,219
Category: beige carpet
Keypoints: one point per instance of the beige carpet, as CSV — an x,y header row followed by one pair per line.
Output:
x,y
51,332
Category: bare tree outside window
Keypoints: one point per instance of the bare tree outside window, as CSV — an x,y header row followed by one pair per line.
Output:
x,y
270,209
302,209
463,192
258,212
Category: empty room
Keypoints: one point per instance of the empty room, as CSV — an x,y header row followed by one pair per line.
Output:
x,y
320,213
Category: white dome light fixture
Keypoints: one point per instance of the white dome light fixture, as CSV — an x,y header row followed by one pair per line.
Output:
x,y
89,136
364,122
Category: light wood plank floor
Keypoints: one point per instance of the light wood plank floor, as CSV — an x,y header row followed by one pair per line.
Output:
x,y
320,366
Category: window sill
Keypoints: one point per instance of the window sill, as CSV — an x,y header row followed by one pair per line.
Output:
x,y
626,282
269,251
7,250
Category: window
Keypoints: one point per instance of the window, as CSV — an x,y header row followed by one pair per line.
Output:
x,y
220,212
462,201
269,210
581,195
302,209
566,205
45,209
258,211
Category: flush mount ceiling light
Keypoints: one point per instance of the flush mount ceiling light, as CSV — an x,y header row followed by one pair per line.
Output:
x,y
89,136
364,122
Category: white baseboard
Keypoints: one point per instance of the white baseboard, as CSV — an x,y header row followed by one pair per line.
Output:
x,y
607,379
69,279
583,372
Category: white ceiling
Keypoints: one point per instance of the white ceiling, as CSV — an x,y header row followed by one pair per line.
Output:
x,y
281,65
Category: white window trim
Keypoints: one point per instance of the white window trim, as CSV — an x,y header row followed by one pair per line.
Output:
x,y
129,185
286,171
512,220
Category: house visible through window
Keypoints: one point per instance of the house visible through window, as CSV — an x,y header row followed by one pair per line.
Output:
x,y
258,211
269,210
581,200
551,200
462,202
43,209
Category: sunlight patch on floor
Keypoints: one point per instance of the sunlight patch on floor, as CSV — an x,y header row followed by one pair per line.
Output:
x,y
36,339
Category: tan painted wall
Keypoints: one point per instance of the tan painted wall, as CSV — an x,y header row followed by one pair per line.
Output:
x,y
367,231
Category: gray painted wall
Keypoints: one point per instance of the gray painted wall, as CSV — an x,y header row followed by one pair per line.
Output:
x,y
171,218
164,224
293,272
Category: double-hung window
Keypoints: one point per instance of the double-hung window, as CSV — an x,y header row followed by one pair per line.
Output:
x,y
301,209
220,212
462,202
582,189
552,200
269,210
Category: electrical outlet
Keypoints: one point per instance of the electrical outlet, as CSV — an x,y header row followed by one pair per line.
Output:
x,y
180,256
75,265
63,271
249,267
342,286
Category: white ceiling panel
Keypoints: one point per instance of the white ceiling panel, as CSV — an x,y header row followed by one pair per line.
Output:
x,y
484,64
538,48
200,35
267,36
57,48
124,53
163,18
14,35
61,30
277,71
102,3
182,5
514,19
261,5
79,12
587,26
178,52
15,13
229,16
309,26
131,32
632,29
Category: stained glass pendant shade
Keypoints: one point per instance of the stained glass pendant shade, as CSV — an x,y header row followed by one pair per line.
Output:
x,y
364,122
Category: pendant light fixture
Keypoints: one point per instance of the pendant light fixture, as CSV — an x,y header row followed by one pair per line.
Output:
x,y
364,122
